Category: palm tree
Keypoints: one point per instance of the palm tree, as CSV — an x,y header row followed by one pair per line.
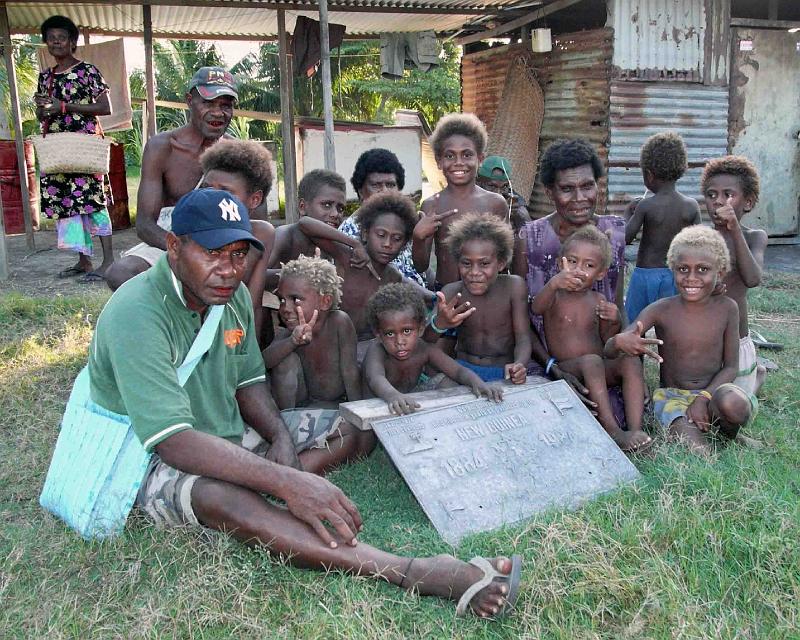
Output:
x,y
27,72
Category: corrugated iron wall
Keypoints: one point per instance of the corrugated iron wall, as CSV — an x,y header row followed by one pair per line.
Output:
x,y
638,110
659,39
575,79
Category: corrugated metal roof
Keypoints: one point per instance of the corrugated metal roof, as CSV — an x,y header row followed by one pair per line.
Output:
x,y
638,110
575,80
251,20
658,39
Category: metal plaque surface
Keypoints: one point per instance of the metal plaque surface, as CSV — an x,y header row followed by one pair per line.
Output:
x,y
478,465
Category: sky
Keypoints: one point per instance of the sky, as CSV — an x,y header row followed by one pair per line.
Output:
x,y
232,51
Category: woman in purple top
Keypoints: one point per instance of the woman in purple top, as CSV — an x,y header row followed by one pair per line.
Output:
x,y
569,170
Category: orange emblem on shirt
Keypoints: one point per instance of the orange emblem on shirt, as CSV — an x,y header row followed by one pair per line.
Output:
x,y
233,337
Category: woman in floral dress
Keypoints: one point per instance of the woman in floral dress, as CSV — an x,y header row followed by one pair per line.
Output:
x,y
69,97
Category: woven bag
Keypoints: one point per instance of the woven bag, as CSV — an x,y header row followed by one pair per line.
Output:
x,y
67,152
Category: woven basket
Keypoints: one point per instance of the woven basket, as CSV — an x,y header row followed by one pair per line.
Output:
x,y
72,153
514,133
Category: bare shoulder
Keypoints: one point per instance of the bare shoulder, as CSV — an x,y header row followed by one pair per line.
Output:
x,y
429,204
341,321
514,284
452,289
490,201
756,238
159,144
391,274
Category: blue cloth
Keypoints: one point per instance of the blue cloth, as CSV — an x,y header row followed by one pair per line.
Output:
x,y
487,374
647,286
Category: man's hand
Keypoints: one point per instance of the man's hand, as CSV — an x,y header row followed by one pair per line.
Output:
x,y
315,501
634,344
565,279
581,391
725,216
490,392
282,451
607,311
400,405
698,413
452,313
303,333
516,372
429,223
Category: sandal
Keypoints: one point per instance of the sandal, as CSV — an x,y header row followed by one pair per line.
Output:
x,y
761,341
92,276
71,272
490,574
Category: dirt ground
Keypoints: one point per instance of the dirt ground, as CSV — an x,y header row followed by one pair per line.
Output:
x,y
34,272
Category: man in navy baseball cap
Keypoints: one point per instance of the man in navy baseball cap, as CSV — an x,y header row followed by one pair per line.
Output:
x,y
213,218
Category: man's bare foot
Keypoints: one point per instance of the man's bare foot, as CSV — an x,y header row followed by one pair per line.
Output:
x,y
631,441
761,375
448,577
746,441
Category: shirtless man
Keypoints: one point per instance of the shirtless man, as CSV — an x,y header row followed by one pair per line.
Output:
x,y
171,167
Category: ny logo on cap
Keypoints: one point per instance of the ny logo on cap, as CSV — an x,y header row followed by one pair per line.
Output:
x,y
230,210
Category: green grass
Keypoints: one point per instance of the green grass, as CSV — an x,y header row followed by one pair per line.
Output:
x,y
697,549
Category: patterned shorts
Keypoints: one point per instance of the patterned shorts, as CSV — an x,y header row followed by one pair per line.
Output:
x,y
166,493
669,403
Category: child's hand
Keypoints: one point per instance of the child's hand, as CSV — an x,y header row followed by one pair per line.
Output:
x,y
400,405
303,333
452,313
429,222
566,279
577,386
516,372
725,216
359,258
607,311
635,345
698,413
495,394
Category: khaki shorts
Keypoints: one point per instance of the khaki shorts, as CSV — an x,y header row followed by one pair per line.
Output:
x,y
146,252
166,493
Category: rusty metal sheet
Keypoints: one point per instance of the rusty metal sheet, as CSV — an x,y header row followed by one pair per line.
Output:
x,y
575,79
640,109
658,39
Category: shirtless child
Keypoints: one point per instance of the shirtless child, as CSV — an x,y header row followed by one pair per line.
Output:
x,y
730,185
312,360
494,340
577,323
698,334
459,141
396,362
661,217
387,221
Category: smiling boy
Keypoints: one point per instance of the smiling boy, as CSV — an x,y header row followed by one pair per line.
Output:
x,y
731,186
494,341
458,141
698,337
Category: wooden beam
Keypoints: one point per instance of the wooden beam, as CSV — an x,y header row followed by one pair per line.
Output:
x,y
149,74
327,97
287,121
765,24
533,16
16,117
245,113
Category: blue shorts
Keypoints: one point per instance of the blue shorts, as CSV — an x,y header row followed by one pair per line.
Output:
x,y
647,286
487,374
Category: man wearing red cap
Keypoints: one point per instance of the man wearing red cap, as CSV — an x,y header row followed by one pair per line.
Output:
x,y
171,167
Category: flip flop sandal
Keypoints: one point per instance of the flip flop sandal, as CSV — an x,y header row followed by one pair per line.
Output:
x,y
761,341
490,574
71,272
92,276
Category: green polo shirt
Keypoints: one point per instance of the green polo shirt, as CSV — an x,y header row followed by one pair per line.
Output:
x,y
143,335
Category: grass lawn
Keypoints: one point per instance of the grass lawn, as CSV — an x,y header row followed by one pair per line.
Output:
x,y
697,549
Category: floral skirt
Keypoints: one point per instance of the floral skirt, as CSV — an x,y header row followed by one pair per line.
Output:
x,y
76,232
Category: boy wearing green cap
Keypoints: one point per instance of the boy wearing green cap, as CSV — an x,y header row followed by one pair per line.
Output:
x,y
494,175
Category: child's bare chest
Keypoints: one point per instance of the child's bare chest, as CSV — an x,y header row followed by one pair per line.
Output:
x,y
574,312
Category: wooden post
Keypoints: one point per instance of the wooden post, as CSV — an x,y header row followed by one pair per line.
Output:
x,y
327,97
149,77
287,121
16,117
3,251
86,35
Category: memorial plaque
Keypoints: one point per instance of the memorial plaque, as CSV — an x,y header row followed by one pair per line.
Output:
x,y
478,465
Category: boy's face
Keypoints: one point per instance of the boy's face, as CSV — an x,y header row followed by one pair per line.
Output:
x,y
232,183
696,274
574,194
296,292
385,238
327,206
459,160
723,189
398,332
585,261
478,266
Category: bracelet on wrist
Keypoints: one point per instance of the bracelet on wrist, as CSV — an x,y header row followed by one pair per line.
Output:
x,y
550,362
705,394
435,328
